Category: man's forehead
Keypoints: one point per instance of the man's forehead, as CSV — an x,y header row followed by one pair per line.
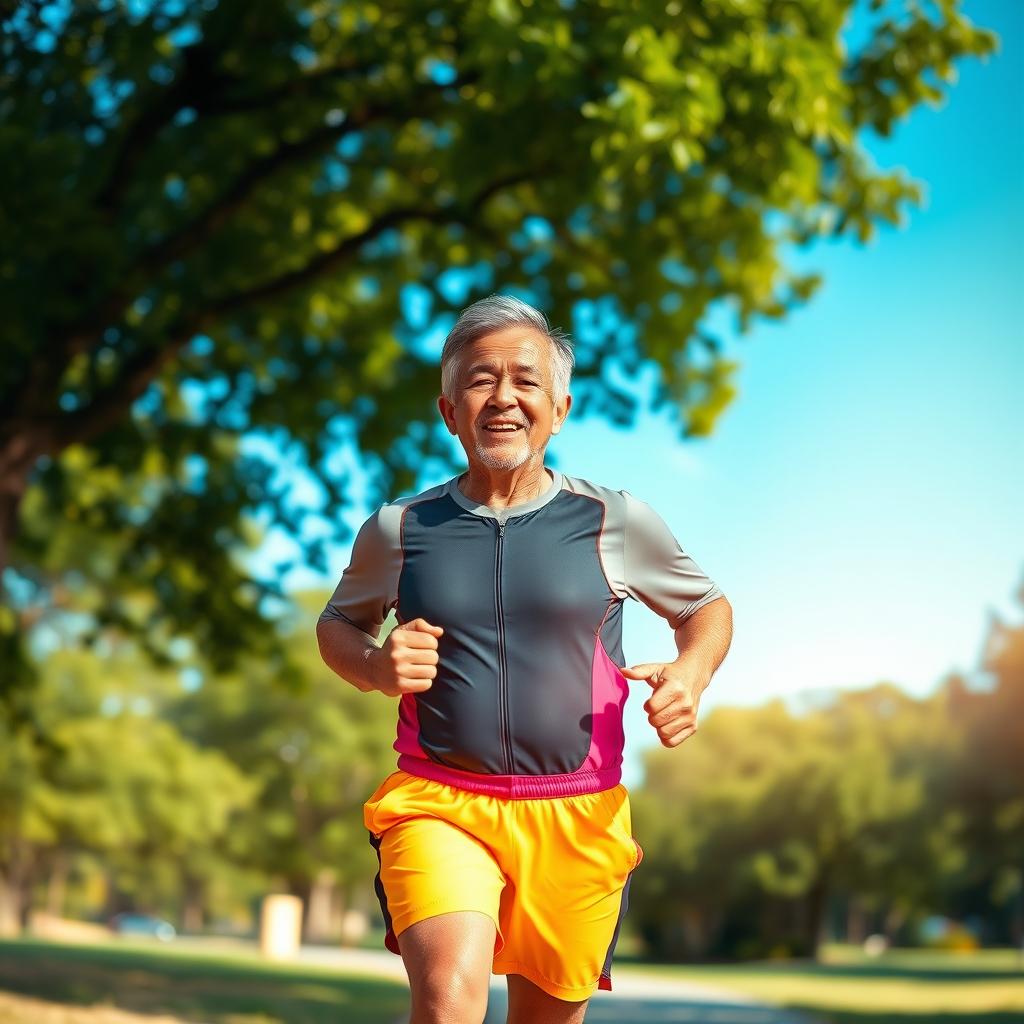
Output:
x,y
522,351
489,362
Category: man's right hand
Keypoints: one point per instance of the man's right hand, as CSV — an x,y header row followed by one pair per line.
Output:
x,y
407,661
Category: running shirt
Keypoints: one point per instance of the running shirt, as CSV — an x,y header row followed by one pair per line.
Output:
x,y
528,696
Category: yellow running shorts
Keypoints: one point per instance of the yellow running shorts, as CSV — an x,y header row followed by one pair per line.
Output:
x,y
553,874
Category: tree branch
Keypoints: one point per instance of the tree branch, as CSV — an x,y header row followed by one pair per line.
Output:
x,y
189,235
193,233
292,88
198,78
186,238
329,261
109,406
201,86
324,262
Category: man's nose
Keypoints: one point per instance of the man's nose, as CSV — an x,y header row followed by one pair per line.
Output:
x,y
502,393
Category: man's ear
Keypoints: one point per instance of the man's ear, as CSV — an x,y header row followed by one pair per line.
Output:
x,y
561,411
447,410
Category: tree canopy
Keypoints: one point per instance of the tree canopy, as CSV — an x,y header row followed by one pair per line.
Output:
x,y
763,833
230,217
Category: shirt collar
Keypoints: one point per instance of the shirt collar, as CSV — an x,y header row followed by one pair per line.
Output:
x,y
452,488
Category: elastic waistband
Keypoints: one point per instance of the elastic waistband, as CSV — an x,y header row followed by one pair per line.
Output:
x,y
515,787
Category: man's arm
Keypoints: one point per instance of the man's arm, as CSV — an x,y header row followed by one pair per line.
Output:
x,y
664,576
406,663
703,639
348,651
347,629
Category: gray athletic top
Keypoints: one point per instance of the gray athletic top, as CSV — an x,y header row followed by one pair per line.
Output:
x,y
528,697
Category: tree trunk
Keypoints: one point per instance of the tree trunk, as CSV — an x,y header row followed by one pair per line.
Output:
x,y
856,930
318,923
817,899
1017,923
894,919
10,908
8,517
117,901
302,888
56,884
18,455
16,877
339,905
192,908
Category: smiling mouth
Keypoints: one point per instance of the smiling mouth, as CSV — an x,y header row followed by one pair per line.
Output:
x,y
502,430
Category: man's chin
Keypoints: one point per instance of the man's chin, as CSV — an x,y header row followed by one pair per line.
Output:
x,y
507,461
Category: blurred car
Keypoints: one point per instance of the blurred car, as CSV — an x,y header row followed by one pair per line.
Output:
x,y
142,924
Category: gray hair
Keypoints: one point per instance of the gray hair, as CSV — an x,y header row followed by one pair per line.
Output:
x,y
495,313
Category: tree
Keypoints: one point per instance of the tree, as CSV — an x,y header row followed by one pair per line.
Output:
x,y
235,217
987,785
769,814
116,782
313,755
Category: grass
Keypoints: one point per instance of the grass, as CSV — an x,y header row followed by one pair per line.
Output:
x,y
903,986
845,987
214,989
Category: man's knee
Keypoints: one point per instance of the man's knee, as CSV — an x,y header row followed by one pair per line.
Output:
x,y
448,960
450,993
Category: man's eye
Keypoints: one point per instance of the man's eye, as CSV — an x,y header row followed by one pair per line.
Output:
x,y
481,380
530,383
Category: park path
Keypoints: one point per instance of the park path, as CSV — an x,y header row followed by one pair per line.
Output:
x,y
636,999
639,1000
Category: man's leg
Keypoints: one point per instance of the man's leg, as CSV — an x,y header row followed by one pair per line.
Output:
x,y
448,960
528,1004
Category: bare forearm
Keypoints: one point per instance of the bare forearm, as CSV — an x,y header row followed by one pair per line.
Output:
x,y
703,639
348,651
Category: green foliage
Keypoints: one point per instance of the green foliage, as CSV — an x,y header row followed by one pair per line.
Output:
x,y
215,215
115,781
988,779
207,796
770,812
216,211
204,798
314,755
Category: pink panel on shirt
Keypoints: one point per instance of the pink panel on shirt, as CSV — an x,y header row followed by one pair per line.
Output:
x,y
601,768
408,738
609,690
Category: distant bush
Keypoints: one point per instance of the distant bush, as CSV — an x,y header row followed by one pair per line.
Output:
x,y
956,938
785,947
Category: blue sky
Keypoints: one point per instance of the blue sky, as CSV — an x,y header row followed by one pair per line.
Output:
x,y
861,501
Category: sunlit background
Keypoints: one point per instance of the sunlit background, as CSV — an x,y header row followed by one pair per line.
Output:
x,y
844,836
861,501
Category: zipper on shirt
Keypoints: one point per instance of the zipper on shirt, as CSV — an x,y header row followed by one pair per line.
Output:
x,y
506,742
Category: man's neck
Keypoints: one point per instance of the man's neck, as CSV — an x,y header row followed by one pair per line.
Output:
x,y
501,489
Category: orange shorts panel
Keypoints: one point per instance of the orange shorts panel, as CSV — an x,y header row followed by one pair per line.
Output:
x,y
553,874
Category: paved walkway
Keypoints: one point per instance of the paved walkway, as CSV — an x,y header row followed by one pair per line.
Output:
x,y
636,999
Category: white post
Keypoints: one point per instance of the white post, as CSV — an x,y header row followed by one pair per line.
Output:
x,y
280,926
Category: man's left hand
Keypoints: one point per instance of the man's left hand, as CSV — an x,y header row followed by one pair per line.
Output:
x,y
672,707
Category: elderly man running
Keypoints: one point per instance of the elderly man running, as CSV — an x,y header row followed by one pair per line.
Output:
x,y
504,836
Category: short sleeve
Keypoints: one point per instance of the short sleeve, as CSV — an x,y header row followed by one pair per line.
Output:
x,y
658,571
368,587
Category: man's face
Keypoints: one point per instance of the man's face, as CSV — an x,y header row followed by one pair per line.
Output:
x,y
505,377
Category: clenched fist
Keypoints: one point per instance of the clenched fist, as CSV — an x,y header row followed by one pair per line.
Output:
x,y
407,661
672,707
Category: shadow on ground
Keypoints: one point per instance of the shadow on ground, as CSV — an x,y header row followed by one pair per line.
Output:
x,y
892,967
196,988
